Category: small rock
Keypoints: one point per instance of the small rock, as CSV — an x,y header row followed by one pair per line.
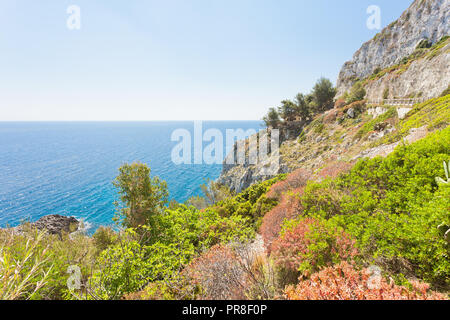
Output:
x,y
351,113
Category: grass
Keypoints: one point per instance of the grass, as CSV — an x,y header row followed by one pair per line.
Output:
x,y
370,125
434,113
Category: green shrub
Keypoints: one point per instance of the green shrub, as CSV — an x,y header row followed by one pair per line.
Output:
x,y
370,125
386,93
202,229
104,237
142,197
130,266
252,203
357,93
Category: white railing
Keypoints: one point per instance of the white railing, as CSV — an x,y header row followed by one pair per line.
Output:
x,y
397,102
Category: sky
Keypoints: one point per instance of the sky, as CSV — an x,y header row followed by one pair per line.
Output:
x,y
147,60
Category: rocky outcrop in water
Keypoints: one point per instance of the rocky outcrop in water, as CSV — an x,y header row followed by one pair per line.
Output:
x,y
54,224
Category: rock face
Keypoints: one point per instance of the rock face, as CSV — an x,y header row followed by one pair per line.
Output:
x,y
239,177
424,19
425,77
56,224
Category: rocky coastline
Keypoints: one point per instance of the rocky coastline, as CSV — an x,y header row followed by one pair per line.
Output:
x,y
54,224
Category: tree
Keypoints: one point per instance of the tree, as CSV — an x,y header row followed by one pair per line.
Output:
x,y
213,192
288,110
272,119
357,93
303,107
323,94
142,197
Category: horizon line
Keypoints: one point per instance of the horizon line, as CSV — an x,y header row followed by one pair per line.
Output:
x,y
36,121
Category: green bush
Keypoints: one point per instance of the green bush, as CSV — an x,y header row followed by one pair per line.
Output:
x,y
370,125
104,237
130,266
357,93
202,229
251,203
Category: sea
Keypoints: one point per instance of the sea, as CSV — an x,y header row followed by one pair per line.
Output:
x,y
67,168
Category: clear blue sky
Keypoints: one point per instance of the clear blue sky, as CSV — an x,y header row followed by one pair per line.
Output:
x,y
173,59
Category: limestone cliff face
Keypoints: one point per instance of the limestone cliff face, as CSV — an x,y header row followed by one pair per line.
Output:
x,y
424,19
426,77
239,177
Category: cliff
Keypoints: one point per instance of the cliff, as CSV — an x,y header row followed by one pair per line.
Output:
x,y
425,75
426,22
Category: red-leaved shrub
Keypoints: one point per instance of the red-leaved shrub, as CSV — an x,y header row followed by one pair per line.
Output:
x,y
339,103
309,244
294,180
344,282
330,116
289,208
218,274
334,169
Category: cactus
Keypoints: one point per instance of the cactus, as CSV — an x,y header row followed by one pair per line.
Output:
x,y
441,181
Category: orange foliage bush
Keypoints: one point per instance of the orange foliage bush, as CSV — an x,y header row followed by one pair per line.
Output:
x,y
294,180
330,116
289,208
339,103
334,169
344,282
309,244
218,274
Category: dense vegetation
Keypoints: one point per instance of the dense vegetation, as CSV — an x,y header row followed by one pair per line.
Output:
x,y
385,212
393,207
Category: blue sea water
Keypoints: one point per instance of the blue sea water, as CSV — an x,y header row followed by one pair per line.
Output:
x,y
67,168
